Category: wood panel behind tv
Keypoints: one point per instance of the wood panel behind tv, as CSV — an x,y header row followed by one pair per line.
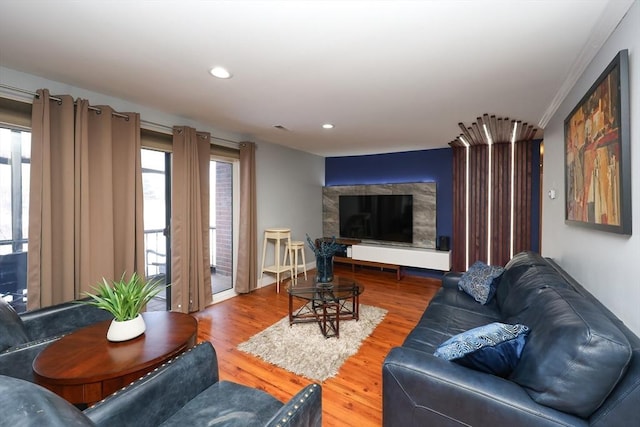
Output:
x,y
424,208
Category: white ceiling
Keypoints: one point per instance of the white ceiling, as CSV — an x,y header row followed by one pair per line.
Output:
x,y
391,75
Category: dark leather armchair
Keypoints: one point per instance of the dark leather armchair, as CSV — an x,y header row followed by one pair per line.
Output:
x,y
183,392
23,336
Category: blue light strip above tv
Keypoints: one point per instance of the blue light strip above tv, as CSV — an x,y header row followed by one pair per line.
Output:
x,y
393,168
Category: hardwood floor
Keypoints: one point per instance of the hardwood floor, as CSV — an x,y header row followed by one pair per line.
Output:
x,y
354,396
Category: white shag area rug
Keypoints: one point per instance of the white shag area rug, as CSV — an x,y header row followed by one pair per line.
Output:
x,y
302,349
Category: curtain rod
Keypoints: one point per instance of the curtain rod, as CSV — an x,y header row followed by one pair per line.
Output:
x,y
55,98
170,128
147,122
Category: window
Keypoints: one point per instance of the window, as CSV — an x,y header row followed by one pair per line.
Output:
x,y
15,157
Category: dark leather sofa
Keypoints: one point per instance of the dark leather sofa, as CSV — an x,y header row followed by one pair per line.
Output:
x,y
184,392
580,365
23,336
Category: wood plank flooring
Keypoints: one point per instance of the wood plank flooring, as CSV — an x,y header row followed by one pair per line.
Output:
x,y
354,396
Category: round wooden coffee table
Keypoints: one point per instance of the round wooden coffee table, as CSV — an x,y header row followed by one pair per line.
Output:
x,y
83,367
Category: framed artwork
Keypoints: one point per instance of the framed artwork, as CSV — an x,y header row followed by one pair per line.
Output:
x,y
598,154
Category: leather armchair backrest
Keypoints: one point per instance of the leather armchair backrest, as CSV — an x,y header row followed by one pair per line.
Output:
x,y
12,330
26,404
161,393
61,319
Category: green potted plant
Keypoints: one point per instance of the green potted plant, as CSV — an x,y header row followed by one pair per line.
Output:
x,y
124,299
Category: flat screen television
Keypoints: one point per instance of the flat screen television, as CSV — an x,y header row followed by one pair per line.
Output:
x,y
387,218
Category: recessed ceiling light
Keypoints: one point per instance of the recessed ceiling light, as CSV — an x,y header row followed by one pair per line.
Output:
x,y
327,126
220,72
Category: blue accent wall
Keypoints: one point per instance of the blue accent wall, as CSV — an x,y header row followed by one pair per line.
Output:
x,y
422,166
393,168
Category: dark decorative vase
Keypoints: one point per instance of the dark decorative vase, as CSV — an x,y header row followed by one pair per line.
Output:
x,y
324,268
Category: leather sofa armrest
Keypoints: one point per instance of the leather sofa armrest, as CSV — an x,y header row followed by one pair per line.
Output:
x,y
61,319
152,399
450,280
421,389
17,361
304,409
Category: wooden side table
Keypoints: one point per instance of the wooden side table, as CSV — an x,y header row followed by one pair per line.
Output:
x,y
84,367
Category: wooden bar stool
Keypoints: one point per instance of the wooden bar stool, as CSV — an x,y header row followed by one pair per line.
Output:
x,y
278,236
295,247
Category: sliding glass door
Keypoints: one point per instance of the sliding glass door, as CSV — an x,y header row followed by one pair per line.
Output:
x,y
156,186
221,225
157,201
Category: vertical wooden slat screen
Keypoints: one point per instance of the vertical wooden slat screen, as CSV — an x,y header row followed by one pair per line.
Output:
x,y
475,141
458,243
478,188
501,212
522,187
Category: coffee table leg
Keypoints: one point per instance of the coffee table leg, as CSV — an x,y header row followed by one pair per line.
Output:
x,y
290,310
323,320
356,307
330,321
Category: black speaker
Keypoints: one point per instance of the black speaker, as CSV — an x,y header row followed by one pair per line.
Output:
x,y
442,244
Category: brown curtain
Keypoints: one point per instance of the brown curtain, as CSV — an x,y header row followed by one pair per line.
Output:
x,y
109,229
247,277
51,254
85,218
190,265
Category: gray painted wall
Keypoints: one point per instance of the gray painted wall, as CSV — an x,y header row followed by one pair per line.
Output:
x,y
607,264
289,186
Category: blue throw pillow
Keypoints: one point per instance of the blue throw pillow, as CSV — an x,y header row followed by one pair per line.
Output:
x,y
494,348
479,281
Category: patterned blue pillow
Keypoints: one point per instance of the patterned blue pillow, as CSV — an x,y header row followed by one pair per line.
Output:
x,y
494,348
479,281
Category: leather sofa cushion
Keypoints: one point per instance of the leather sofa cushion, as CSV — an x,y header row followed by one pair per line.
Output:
x,y
450,312
574,355
458,300
227,403
517,266
454,320
425,339
12,331
522,292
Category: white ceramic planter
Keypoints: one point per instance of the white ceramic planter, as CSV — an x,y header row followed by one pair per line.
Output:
x,y
127,330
